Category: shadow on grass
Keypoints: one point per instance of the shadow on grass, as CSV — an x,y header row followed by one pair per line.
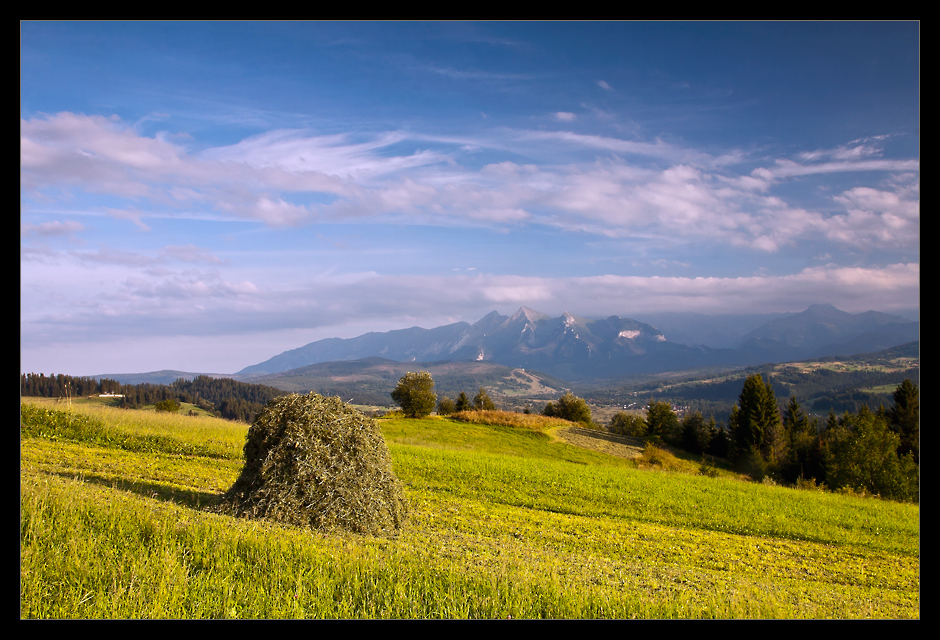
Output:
x,y
609,437
184,497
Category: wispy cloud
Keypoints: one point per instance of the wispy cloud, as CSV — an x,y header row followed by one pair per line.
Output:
x,y
54,228
290,178
477,74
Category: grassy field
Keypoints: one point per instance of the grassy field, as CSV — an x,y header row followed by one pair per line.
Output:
x,y
504,522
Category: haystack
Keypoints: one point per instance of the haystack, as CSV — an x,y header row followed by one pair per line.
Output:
x,y
317,462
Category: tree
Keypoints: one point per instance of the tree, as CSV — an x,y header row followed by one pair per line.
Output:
x,y
794,419
570,407
628,424
905,418
695,433
415,394
445,406
805,457
755,422
463,403
718,440
863,456
661,420
483,402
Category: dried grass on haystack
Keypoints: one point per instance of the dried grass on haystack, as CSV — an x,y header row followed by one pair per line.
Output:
x,y
317,462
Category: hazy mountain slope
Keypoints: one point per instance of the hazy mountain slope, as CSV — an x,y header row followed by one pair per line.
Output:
x,y
370,380
824,330
574,348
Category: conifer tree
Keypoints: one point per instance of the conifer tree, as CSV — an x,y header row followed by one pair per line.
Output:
x,y
462,403
904,418
661,420
755,422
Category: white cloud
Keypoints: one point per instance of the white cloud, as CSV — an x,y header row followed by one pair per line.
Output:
x,y
165,306
876,218
565,116
288,178
788,168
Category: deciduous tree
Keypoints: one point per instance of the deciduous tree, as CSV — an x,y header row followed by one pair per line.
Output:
x,y
415,394
628,424
570,407
863,456
445,406
483,402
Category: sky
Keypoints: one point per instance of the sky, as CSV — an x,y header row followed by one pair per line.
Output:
x,y
202,196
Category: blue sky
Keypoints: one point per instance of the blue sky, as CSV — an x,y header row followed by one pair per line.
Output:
x,y
203,196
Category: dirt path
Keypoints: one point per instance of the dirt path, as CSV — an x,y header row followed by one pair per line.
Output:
x,y
620,446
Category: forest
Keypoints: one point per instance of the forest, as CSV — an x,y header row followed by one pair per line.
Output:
x,y
223,397
871,452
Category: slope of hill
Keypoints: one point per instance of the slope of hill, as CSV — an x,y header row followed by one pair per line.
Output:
x,y
504,523
843,383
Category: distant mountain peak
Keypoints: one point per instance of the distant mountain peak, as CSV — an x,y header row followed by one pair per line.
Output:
x,y
572,347
529,314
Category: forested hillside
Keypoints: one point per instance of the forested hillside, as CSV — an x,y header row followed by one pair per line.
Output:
x,y
823,385
224,397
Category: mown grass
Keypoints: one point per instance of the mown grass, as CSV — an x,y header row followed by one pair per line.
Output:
x,y
504,522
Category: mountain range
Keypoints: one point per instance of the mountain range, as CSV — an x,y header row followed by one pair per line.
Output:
x,y
577,349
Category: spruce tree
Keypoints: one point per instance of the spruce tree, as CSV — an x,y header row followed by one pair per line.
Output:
x,y
755,423
462,403
904,418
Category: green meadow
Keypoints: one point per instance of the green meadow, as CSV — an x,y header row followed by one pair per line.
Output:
x,y
504,522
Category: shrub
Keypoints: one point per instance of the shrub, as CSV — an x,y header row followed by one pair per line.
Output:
x,y
654,456
809,484
317,462
708,468
170,405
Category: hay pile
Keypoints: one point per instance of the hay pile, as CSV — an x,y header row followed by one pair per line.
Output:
x,y
317,462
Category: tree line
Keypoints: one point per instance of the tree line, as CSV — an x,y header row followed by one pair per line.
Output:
x,y
222,397
875,452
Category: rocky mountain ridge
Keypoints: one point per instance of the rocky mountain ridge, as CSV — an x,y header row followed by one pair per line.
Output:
x,y
575,348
